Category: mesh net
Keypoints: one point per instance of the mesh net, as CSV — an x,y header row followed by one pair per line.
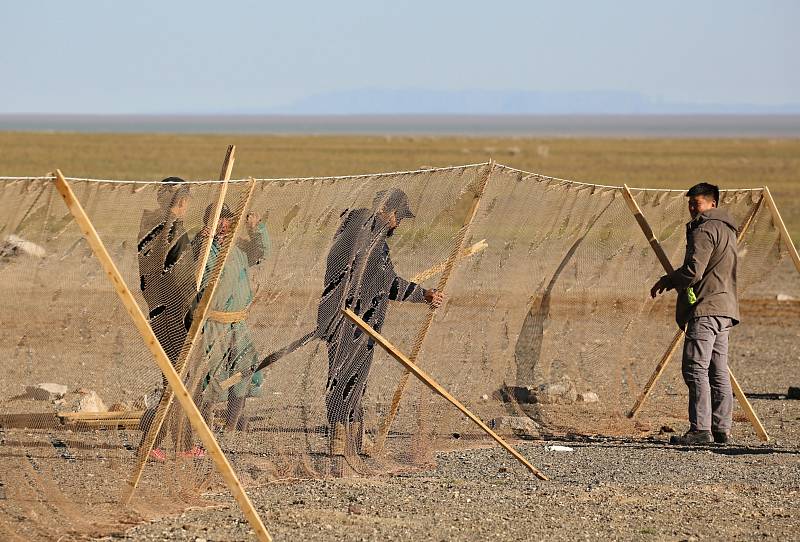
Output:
x,y
553,304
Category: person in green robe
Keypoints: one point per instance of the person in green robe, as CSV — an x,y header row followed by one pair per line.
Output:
x,y
227,342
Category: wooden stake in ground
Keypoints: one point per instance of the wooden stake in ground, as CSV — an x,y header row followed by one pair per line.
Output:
x,y
189,342
433,385
383,431
174,380
667,265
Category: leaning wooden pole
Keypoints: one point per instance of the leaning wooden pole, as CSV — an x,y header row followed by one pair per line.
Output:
x,y
189,342
667,265
433,385
174,380
383,431
205,252
181,364
673,345
657,372
224,176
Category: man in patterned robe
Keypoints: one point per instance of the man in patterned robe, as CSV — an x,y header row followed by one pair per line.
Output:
x,y
168,283
360,275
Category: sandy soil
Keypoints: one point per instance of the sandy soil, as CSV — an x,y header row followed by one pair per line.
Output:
x,y
611,490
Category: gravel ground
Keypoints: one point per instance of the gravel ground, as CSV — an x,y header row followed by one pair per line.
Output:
x,y
603,489
606,488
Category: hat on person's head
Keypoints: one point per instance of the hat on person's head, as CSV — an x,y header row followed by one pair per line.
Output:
x,y
393,199
170,190
225,213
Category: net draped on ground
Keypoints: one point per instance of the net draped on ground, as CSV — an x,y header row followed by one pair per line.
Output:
x,y
558,295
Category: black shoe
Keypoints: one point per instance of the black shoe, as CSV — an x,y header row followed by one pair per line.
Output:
x,y
720,438
692,437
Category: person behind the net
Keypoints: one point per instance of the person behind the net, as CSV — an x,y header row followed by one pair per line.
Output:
x,y
227,342
360,275
707,308
168,284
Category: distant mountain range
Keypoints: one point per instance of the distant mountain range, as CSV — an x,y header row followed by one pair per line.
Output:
x,y
490,102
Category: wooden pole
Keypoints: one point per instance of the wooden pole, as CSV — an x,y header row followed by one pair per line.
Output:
x,y
673,346
383,431
742,398
205,251
749,412
225,175
787,239
476,248
657,372
175,382
433,385
646,229
181,364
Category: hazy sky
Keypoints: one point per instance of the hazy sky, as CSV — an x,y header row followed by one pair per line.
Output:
x,y
197,56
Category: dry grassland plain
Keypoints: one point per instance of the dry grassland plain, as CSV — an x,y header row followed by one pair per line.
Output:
x,y
646,163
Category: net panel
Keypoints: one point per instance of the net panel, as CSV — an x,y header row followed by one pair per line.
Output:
x,y
555,304
329,245
64,325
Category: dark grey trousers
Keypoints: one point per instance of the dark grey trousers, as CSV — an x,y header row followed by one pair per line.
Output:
x,y
705,371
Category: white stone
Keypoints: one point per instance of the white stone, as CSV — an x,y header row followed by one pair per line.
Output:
x,y
91,402
588,397
558,448
560,392
18,244
517,424
784,297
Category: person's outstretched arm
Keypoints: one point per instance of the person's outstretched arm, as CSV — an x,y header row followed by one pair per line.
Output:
x,y
405,290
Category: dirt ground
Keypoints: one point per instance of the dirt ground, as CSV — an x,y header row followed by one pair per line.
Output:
x,y
633,488
605,488
638,488
609,490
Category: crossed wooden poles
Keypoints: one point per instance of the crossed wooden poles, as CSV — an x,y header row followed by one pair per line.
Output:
x,y
673,346
176,374
173,374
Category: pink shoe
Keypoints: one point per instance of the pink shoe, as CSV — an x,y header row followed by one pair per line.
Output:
x,y
195,453
157,454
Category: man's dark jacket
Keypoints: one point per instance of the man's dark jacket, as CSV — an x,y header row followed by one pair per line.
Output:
x,y
709,268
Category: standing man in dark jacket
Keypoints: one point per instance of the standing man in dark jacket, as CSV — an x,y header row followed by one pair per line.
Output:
x,y
707,308
360,276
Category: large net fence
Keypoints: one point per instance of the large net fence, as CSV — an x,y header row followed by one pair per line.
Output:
x,y
545,327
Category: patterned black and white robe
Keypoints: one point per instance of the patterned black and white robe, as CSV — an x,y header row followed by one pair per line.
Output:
x,y
360,276
167,277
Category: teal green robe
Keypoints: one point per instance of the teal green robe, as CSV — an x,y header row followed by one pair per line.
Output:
x,y
229,347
